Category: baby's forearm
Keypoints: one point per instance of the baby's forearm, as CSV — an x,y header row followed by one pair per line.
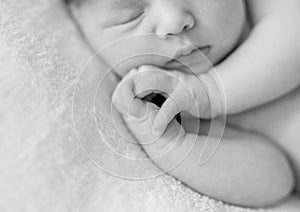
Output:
x,y
266,66
245,170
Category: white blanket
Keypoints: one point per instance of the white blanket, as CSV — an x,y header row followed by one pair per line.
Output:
x,y
42,167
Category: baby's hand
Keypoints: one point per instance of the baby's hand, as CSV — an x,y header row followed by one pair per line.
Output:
x,y
184,92
140,123
126,97
154,144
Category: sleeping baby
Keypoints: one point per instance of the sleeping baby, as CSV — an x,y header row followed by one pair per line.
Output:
x,y
184,61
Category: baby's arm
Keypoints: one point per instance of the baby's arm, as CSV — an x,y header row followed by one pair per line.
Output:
x,y
266,66
246,169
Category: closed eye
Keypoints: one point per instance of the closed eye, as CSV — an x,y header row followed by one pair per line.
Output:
x,y
131,19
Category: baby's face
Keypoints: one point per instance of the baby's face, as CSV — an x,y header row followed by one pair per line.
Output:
x,y
154,32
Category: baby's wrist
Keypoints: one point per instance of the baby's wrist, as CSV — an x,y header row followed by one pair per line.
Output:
x,y
216,95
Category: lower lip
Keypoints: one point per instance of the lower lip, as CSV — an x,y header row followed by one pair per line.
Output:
x,y
197,56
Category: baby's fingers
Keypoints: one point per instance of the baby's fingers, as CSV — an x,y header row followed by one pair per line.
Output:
x,y
133,106
178,101
125,101
151,79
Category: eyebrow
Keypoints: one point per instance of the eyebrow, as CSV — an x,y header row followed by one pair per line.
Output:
x,y
125,4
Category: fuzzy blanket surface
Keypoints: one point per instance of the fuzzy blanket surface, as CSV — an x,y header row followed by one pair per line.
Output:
x,y
42,166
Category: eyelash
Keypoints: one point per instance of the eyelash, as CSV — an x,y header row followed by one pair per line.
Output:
x,y
129,20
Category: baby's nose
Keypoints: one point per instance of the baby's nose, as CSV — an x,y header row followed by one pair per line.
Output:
x,y
173,18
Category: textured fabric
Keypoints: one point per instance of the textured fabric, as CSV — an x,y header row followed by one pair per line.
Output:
x,y
42,165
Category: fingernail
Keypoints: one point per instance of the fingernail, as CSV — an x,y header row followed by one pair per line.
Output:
x,y
132,113
157,131
138,116
157,128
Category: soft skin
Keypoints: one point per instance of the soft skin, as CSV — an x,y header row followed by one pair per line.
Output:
x,y
208,21
184,93
171,27
235,173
